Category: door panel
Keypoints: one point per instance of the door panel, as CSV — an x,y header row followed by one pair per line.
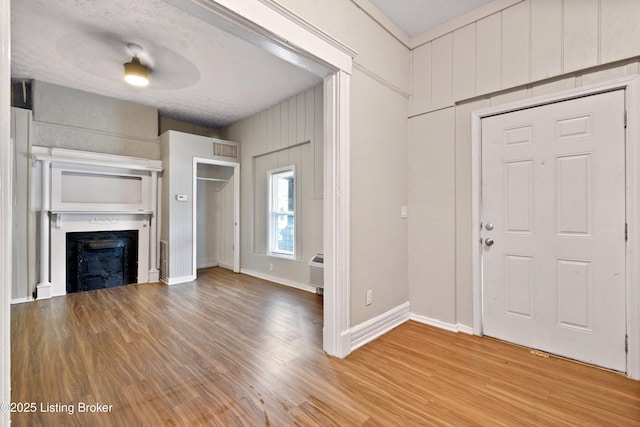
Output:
x,y
553,191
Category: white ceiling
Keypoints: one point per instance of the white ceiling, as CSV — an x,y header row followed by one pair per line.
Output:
x,y
199,74
418,16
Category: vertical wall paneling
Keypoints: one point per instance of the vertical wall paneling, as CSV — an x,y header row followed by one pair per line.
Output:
x,y
289,133
463,207
421,95
546,39
318,155
515,45
178,151
489,54
22,273
580,34
619,29
464,62
301,128
441,71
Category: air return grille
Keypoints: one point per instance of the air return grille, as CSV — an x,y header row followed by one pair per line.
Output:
x,y
226,149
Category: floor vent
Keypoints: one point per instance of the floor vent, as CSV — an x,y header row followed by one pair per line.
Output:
x,y
164,264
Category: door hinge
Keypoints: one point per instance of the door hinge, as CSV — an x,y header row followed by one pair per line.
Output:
x,y
626,343
626,232
625,119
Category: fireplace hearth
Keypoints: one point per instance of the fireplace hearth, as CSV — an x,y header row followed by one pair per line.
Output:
x,y
101,259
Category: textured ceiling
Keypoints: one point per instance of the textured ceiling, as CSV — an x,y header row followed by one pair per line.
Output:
x,y
199,73
418,16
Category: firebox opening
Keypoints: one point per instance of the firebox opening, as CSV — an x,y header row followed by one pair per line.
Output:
x,y
101,259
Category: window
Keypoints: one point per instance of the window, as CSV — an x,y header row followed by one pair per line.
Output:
x,y
282,208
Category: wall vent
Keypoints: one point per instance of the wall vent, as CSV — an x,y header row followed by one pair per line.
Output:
x,y
164,263
316,271
228,150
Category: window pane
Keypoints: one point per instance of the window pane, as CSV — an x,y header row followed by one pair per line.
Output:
x,y
284,234
284,191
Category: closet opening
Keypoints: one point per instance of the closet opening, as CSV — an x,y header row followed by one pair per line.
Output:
x,y
216,214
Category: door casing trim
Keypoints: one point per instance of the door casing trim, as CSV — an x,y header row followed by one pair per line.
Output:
x,y
632,152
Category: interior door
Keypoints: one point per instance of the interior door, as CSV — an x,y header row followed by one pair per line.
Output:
x,y
553,216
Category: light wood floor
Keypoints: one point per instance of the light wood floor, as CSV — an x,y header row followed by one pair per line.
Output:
x,y
232,350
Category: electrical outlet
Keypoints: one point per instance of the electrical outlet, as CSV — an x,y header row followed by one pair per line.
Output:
x,y
369,297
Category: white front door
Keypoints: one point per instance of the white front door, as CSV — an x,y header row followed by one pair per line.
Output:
x,y
553,209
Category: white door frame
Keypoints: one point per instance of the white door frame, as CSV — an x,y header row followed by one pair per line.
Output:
x,y
5,207
631,86
269,25
236,209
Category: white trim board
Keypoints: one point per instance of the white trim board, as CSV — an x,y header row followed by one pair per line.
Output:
x,y
5,207
631,85
178,280
279,280
371,329
207,263
451,327
265,24
236,209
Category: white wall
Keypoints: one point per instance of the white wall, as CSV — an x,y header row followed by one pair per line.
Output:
x,y
67,118
529,49
264,140
379,102
225,221
23,261
214,216
177,151
70,118
207,218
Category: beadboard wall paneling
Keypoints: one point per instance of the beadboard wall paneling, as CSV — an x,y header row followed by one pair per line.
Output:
x,y
516,47
288,133
177,151
580,34
431,208
546,31
441,71
464,62
488,54
532,48
523,44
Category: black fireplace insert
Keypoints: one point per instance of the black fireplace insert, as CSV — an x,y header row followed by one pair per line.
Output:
x,y
101,259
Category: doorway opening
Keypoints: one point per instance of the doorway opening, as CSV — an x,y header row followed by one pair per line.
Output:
x,y
216,214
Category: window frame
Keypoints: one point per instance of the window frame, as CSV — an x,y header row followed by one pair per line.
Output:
x,y
272,249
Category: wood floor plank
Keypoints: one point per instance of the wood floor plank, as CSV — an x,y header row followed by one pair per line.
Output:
x,y
233,350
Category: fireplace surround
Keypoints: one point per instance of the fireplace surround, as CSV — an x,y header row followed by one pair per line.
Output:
x,y
83,192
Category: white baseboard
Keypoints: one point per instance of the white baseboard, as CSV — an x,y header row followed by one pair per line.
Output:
x,y
206,263
453,327
21,300
178,280
373,328
225,265
279,280
154,275
44,290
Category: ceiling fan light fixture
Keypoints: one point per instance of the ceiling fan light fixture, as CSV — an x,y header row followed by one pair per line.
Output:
x,y
135,73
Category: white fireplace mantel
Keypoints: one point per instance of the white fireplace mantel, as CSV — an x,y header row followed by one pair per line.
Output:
x,y
85,192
